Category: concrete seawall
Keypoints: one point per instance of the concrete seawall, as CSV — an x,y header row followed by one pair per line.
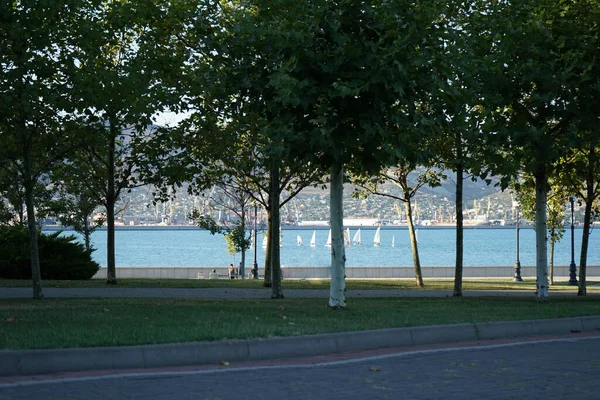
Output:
x,y
293,272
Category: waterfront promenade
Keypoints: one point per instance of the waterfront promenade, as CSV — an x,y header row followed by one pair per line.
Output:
x,y
322,272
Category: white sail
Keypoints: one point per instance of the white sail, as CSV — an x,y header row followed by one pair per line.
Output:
x,y
264,244
252,239
347,241
356,238
313,239
377,238
393,240
328,244
299,240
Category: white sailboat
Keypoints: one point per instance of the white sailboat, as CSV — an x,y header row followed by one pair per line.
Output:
x,y
299,240
328,243
264,243
393,240
356,238
377,238
347,241
313,239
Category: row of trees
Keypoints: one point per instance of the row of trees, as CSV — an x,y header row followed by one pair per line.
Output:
x,y
282,94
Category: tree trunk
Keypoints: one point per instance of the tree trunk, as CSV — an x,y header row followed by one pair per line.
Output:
x,y
587,221
111,270
21,214
413,242
276,289
86,233
552,243
458,268
34,253
242,270
267,282
585,239
337,289
541,247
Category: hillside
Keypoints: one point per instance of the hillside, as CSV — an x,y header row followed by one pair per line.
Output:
x,y
312,204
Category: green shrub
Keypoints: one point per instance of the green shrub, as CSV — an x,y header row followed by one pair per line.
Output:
x,y
61,257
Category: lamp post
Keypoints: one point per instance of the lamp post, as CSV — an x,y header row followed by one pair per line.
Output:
x,y
572,267
517,277
255,265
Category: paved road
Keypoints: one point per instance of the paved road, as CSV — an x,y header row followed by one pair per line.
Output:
x,y
565,368
221,293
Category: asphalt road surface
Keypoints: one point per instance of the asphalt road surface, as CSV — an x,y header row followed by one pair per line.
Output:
x,y
566,368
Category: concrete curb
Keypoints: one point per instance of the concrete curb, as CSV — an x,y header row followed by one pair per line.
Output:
x,y
31,362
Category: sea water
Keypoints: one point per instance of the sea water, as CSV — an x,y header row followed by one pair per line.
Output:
x,y
195,247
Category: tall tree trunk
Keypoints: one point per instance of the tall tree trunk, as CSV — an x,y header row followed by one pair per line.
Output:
x,y
337,289
541,246
458,268
585,239
267,282
276,289
111,269
34,253
242,270
587,221
413,241
552,243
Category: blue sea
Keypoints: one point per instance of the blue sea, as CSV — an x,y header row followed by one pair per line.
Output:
x,y
195,247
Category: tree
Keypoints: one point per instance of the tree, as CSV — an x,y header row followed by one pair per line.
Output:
x,y
38,42
529,93
581,171
119,88
74,206
578,40
457,102
399,176
234,128
354,77
233,197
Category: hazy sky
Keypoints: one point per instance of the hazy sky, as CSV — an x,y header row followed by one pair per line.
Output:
x,y
169,118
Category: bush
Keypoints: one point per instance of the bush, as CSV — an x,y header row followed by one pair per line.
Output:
x,y
61,257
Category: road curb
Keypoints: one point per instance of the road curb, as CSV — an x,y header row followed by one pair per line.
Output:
x,y
33,362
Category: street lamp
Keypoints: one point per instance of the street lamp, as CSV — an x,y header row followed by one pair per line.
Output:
x,y
572,267
517,277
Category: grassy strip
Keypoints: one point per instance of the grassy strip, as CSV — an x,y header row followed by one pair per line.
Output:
x,y
55,323
351,284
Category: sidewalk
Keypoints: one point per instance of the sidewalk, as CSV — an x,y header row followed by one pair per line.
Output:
x,y
32,362
224,293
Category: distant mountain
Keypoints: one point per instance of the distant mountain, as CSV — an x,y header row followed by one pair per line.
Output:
x,y
313,204
472,189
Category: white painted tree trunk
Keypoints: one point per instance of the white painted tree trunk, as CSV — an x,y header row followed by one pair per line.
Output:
x,y
337,292
541,242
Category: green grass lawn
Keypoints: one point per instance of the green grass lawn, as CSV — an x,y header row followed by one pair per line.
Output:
x,y
351,284
79,322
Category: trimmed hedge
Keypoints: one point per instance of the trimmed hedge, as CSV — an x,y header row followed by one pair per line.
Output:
x,y
61,257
